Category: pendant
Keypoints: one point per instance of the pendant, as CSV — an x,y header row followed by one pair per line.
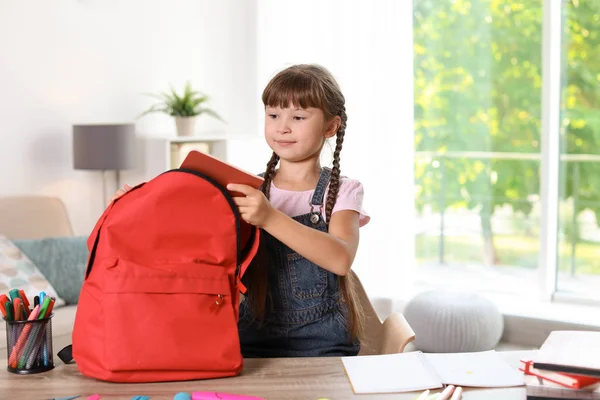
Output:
x,y
314,218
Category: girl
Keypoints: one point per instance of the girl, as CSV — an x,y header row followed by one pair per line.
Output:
x,y
300,299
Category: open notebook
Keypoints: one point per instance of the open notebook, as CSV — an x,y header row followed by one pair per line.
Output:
x,y
406,372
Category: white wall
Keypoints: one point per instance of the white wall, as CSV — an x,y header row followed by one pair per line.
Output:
x,y
66,62
89,61
367,45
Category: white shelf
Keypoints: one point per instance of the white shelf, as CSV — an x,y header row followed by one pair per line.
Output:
x,y
157,154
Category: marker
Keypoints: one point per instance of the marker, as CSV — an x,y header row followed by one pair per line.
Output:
x,y
221,396
17,311
24,298
44,307
9,310
445,395
17,350
14,294
3,300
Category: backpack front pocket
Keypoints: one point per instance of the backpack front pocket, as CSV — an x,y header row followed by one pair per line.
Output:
x,y
169,317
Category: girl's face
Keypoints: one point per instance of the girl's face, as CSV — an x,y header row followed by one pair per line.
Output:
x,y
297,134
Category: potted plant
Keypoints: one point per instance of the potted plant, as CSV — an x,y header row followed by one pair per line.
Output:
x,y
185,108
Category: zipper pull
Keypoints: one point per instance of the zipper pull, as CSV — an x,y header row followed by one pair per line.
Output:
x,y
219,300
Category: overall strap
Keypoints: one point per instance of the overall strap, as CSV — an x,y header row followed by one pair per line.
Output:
x,y
319,194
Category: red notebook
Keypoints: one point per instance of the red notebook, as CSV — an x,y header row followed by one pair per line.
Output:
x,y
568,380
222,172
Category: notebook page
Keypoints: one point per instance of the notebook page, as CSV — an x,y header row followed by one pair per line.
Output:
x,y
479,369
390,373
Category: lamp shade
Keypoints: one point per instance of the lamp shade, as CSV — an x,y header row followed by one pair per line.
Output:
x,y
105,147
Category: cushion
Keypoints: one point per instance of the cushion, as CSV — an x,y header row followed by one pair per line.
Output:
x,y
19,272
453,322
62,260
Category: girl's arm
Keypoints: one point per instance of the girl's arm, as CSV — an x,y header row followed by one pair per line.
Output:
x,y
333,251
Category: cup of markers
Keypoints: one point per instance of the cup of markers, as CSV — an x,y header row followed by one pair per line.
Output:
x,y
28,332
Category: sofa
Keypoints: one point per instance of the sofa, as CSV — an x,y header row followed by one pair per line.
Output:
x,y
40,227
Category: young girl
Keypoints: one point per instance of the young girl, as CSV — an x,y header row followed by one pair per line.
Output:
x,y
300,299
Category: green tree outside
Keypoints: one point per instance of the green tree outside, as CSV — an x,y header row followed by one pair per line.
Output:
x,y
478,83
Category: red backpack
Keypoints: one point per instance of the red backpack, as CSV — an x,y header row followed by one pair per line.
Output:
x,y
160,297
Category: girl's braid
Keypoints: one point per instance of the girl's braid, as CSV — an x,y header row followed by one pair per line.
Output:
x,y
334,182
269,174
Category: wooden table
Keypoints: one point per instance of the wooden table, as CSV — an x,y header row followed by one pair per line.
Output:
x,y
283,378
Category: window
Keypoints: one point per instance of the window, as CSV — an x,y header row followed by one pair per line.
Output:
x,y
477,139
480,169
579,199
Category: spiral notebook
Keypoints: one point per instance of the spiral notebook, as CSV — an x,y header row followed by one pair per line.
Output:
x,y
406,372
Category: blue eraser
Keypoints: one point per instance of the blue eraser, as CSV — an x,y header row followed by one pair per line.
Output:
x,y
182,396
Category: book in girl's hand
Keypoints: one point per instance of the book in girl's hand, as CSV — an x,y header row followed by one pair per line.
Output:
x,y
220,171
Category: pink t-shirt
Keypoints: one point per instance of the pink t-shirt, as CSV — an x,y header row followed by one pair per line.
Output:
x,y
350,197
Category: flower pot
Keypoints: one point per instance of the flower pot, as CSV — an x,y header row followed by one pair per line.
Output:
x,y
185,126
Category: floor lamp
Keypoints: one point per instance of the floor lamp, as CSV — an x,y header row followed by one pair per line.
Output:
x,y
104,147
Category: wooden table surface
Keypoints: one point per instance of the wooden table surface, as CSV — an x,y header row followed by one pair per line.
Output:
x,y
282,378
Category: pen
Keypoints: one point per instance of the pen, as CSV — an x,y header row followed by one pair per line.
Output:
x,y
36,338
20,344
40,342
45,351
423,395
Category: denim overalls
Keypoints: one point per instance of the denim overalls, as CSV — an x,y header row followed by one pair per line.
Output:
x,y
307,317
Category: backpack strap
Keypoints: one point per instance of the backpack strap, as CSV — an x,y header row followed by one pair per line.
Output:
x,y
66,354
249,256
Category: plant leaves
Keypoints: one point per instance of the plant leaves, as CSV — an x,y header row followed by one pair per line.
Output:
x,y
188,104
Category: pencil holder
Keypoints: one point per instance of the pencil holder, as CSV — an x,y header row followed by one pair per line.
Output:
x,y
29,346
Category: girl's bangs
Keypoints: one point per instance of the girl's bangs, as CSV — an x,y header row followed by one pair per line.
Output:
x,y
296,89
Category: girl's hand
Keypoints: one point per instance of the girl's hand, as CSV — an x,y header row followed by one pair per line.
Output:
x,y
121,192
254,207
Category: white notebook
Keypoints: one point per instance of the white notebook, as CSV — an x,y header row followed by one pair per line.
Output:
x,y
406,372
